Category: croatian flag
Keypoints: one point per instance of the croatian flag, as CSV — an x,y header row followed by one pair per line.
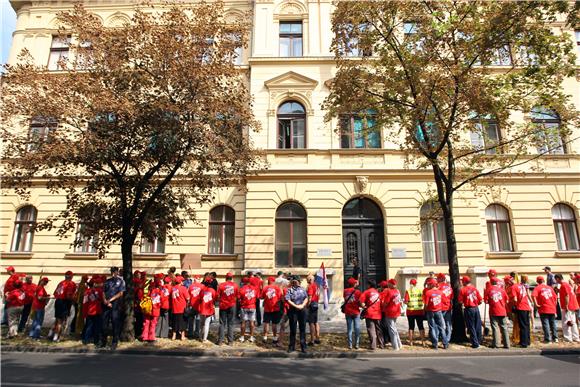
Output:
x,y
322,283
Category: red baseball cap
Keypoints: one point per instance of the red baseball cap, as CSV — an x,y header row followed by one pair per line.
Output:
x,y
97,279
69,273
167,280
158,275
229,274
508,278
383,284
45,279
431,281
492,272
21,275
271,280
179,279
10,268
413,281
351,281
392,281
539,279
197,276
441,276
465,279
245,280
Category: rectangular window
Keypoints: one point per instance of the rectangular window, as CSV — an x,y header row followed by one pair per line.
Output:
x,y
502,57
291,39
486,135
59,50
359,132
39,131
577,34
84,243
292,134
550,139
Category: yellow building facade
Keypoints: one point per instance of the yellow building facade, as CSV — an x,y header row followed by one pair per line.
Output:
x,y
325,198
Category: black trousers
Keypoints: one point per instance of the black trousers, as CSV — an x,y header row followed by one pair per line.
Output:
x,y
93,330
258,313
524,322
24,317
297,317
113,316
227,324
473,324
138,322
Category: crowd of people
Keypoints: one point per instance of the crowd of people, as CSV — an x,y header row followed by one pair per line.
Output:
x,y
180,306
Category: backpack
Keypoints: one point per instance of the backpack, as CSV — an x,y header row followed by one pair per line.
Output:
x,y
146,305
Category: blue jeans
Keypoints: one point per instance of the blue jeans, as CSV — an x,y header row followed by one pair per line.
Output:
x,y
448,324
473,324
94,329
436,326
353,322
37,324
549,327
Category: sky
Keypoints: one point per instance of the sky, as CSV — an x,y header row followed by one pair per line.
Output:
x,y
8,22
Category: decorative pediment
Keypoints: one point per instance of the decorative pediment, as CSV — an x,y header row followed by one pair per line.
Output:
x,y
291,80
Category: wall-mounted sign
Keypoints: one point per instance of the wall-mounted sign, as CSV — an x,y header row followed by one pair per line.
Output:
x,y
399,252
324,252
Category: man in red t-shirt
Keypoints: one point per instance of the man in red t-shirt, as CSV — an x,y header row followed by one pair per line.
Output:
x,y
39,300
523,306
544,298
248,296
28,287
391,307
8,287
257,282
470,297
64,297
207,310
569,306
433,304
179,300
370,301
14,304
163,322
228,296
446,301
93,301
195,290
351,311
496,298
150,320
272,296
313,292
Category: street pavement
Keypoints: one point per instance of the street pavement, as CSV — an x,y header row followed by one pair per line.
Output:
x,y
91,370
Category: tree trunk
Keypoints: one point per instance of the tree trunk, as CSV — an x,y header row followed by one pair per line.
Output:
x,y
128,332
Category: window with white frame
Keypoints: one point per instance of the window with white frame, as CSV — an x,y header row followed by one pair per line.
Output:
x,y
485,134
499,232
565,227
222,223
156,244
59,52
39,131
433,236
548,133
291,38
24,229
84,239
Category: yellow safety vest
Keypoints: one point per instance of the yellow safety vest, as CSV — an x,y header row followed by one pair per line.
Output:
x,y
415,299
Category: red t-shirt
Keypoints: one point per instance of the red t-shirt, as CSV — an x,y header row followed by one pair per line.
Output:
x,y
207,304
313,292
566,289
93,301
9,285
39,292
165,296
352,306
578,294
179,298
520,297
195,291
15,298
372,300
546,298
496,297
228,294
433,300
391,303
469,296
65,290
156,295
139,291
257,283
272,296
248,295
447,291
29,290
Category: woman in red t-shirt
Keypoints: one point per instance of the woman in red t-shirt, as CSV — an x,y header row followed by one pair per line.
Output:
x,y
391,307
371,303
208,298
179,300
14,305
93,301
162,327
39,301
351,311
150,319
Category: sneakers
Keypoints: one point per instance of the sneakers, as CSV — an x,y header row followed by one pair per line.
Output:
x,y
555,340
55,338
317,341
252,340
265,339
242,339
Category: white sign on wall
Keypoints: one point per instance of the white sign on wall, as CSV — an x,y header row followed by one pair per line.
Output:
x,y
399,252
324,252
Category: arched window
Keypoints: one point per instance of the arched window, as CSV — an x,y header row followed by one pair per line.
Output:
x,y
291,235
24,229
291,126
84,239
433,236
222,223
498,228
565,227
548,133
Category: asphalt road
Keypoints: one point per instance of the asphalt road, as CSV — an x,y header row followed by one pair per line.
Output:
x,y
84,370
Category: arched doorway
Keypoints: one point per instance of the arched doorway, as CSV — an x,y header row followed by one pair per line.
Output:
x,y
363,238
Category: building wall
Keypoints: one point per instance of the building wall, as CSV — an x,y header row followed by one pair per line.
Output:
x,y
322,178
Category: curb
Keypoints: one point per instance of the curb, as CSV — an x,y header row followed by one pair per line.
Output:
x,y
296,355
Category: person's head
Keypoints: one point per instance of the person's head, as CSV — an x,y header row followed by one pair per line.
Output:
x,y
354,261
492,273
115,271
539,279
229,276
98,282
68,275
559,278
258,274
494,280
250,273
431,274
43,281
295,281
392,283
524,279
17,284
431,283
28,279
371,283
213,275
280,273
352,282
508,280
413,282
309,278
167,280
577,278
440,277
84,278
10,270
196,278
178,279
171,270
246,280
184,274
137,275
271,280
547,269
465,280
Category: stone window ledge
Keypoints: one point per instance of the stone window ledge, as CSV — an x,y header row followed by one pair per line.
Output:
x,y
150,256
88,256
219,257
16,255
567,254
503,254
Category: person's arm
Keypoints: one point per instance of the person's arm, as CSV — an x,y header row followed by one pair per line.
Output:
x,y
116,296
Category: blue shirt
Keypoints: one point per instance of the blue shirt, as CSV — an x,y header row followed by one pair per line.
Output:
x,y
113,286
296,295
187,283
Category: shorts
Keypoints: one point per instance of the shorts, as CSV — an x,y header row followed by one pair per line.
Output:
x,y
178,322
248,314
62,308
273,317
418,319
313,313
